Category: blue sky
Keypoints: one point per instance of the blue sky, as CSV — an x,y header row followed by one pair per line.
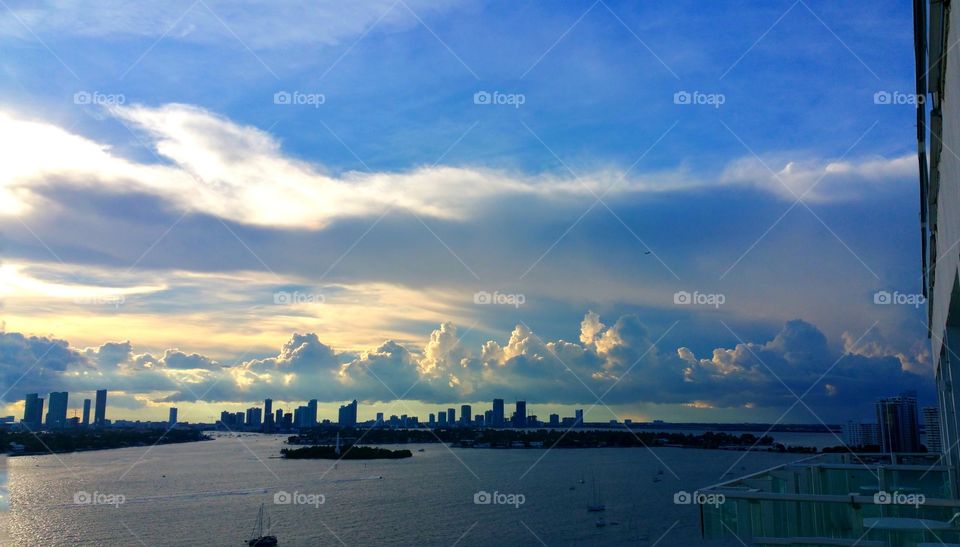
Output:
x,y
171,208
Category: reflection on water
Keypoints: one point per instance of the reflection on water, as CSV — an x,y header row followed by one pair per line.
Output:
x,y
209,493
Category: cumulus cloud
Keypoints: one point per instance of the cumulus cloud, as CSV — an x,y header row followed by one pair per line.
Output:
x,y
617,362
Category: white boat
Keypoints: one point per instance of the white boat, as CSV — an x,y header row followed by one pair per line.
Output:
x,y
597,505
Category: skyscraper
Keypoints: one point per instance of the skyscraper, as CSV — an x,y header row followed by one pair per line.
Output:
x,y
172,420
498,413
348,415
465,413
451,416
253,418
931,429
520,415
33,411
442,418
897,421
268,415
860,434
312,414
579,416
86,412
57,412
100,409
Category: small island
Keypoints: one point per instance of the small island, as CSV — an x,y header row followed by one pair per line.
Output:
x,y
328,452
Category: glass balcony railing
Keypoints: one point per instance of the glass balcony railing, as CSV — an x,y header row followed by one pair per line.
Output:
x,y
838,499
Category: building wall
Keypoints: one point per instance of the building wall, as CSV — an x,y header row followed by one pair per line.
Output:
x,y
945,172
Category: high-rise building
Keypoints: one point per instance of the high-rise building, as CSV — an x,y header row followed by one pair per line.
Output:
x,y
239,419
936,25
465,413
578,416
33,411
100,409
86,412
897,421
498,415
857,434
554,420
278,416
268,415
380,418
57,412
931,429
520,415
312,414
172,419
348,415
300,416
442,418
488,418
451,416
253,418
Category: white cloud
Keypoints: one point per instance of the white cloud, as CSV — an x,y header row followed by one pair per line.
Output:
x,y
240,173
821,181
260,25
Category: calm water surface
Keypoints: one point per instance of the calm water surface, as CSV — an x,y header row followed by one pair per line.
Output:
x,y
208,493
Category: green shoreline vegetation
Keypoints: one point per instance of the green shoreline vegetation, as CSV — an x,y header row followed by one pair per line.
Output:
x,y
328,452
38,443
549,438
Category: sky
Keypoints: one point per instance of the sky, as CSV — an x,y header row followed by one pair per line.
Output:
x,y
679,211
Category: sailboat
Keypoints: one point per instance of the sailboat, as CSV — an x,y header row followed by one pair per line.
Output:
x,y
597,505
258,539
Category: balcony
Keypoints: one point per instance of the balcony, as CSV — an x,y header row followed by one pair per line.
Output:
x,y
838,499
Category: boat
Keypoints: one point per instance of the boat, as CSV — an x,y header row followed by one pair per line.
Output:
x,y
597,506
601,522
258,539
